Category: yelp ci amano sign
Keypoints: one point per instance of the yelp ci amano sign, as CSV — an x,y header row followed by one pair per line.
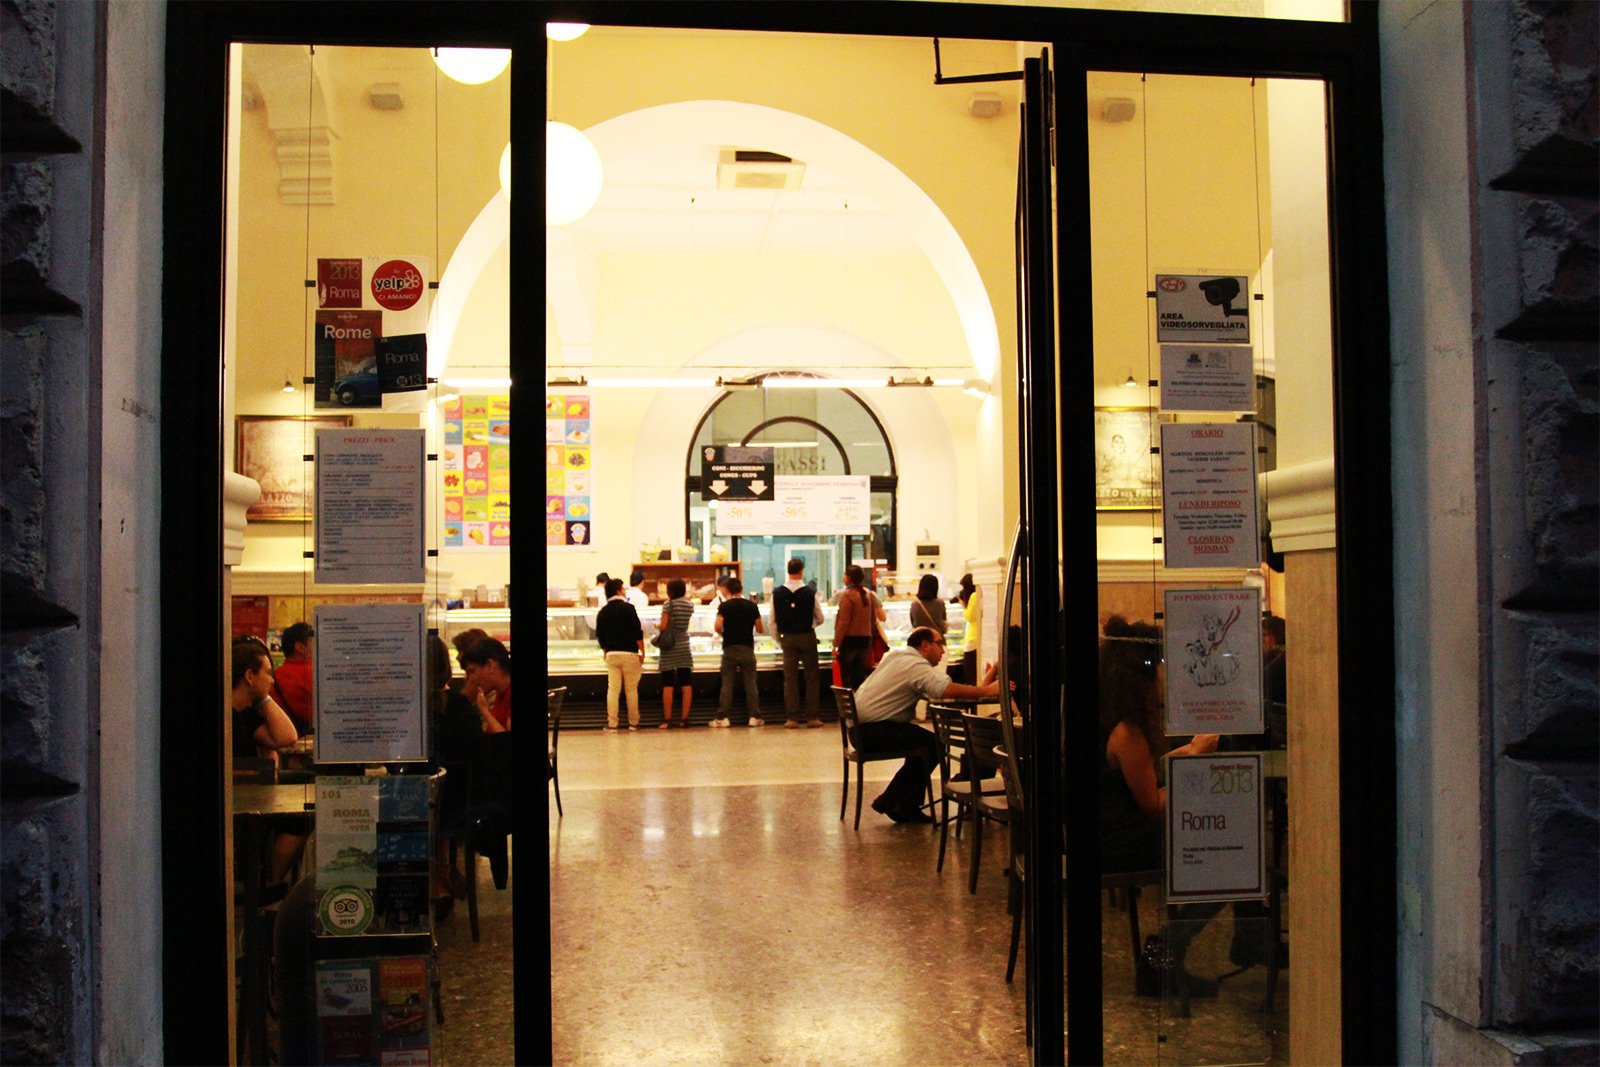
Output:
x,y
397,285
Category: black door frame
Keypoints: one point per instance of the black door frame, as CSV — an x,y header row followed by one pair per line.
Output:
x,y
1343,56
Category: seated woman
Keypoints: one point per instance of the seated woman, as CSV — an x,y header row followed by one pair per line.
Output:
x,y
488,667
260,727
1132,800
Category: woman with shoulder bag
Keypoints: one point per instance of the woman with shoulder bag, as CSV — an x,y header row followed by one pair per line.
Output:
x,y
677,661
854,627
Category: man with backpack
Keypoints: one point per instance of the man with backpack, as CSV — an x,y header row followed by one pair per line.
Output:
x,y
796,614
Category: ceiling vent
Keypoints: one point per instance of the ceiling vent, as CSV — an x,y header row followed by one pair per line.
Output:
x,y
743,168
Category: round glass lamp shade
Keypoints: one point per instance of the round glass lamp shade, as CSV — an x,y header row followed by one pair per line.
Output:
x,y
573,174
472,66
565,31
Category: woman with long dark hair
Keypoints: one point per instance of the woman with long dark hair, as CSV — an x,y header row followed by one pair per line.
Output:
x,y
928,610
859,611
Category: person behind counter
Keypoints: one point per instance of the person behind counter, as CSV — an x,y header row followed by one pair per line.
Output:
x,y
1132,801
260,726
928,610
621,637
291,685
796,614
852,627
488,667
738,622
971,598
887,702
676,661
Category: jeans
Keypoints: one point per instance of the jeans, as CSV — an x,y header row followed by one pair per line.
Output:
x,y
800,649
622,672
737,660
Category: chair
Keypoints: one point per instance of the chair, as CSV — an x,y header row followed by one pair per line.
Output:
x,y
984,735
488,816
554,698
952,734
845,700
1130,883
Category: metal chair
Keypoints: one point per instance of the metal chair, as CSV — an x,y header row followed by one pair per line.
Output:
x,y
953,745
845,700
984,735
554,698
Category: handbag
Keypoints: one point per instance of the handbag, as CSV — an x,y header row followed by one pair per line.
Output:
x,y
665,640
878,646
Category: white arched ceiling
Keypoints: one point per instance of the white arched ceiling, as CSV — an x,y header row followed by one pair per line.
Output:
x,y
663,132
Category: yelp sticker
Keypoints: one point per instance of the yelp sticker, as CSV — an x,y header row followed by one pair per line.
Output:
x,y
397,285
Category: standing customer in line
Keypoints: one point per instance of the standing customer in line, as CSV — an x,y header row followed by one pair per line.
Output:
x,y
676,661
858,611
796,616
928,610
972,612
621,638
738,621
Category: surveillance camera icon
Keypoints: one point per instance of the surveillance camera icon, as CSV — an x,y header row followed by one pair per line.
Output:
x,y
1222,292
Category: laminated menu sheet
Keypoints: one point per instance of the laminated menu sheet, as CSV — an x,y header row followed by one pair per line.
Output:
x,y
370,684
1208,495
369,501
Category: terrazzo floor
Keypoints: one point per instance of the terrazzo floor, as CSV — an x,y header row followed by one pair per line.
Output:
x,y
708,906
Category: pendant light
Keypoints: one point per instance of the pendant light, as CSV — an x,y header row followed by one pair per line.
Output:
x,y
472,66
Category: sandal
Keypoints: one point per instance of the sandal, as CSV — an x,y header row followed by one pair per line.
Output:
x,y
665,725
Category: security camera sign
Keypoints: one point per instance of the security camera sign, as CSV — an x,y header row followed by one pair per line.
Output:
x,y
1203,308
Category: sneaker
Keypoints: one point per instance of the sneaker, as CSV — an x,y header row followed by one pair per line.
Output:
x,y
611,729
720,723
755,722
790,724
631,729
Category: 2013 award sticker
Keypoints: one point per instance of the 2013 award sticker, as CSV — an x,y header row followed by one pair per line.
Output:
x,y
345,909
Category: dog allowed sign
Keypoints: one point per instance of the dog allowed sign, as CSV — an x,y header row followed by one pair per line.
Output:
x,y
1213,654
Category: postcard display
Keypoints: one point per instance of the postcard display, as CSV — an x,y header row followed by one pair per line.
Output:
x,y
1215,806
373,973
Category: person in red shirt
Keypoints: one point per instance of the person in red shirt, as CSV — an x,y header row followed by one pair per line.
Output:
x,y
293,685
488,667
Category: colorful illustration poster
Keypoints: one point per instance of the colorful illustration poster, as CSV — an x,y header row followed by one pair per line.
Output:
x,y
1213,654
475,463
568,495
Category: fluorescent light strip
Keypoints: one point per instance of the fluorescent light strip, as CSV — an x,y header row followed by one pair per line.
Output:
x,y
477,383
824,383
652,383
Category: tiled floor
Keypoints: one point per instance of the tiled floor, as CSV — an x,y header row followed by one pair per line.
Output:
x,y
708,906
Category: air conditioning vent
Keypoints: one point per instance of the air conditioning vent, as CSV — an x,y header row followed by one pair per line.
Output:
x,y
744,168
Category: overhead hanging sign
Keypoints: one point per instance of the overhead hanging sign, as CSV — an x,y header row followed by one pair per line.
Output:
x,y
1214,828
1219,378
1213,654
824,504
1208,494
736,472
1203,308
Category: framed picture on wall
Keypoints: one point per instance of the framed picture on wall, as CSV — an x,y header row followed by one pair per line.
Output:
x,y
271,449
1127,475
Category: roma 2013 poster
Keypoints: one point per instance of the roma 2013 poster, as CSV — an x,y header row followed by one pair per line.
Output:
x,y
476,463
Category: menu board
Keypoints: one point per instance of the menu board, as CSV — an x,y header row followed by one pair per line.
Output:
x,y
1214,828
475,471
369,683
568,457
1215,378
802,504
1213,655
369,501
1203,308
1208,492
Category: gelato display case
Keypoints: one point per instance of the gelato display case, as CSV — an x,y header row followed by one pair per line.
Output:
x,y
571,647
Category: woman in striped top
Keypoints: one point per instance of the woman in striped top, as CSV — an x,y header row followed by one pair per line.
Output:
x,y
677,662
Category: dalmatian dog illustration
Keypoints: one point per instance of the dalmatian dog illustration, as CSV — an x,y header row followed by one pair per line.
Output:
x,y
1210,663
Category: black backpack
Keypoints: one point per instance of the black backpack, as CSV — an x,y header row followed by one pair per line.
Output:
x,y
792,609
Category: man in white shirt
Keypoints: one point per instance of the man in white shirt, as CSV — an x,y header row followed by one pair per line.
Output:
x,y
640,601
886,704
796,614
